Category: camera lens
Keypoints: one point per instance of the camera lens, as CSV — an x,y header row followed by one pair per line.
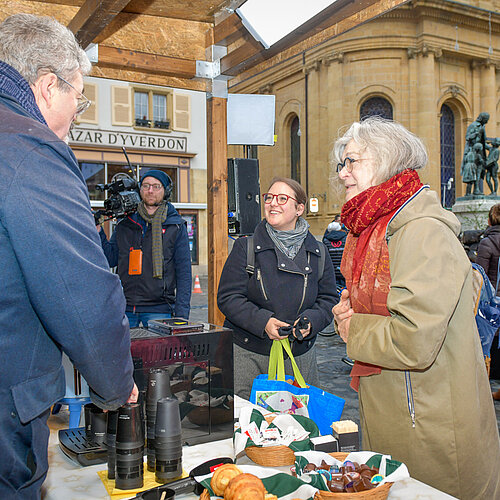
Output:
x,y
158,388
129,448
110,442
168,440
95,423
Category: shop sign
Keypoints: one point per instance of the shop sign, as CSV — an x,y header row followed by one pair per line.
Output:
x,y
94,137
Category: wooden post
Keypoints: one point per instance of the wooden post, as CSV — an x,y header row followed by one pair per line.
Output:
x,y
217,200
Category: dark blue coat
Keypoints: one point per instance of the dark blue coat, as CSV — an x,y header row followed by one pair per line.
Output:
x,y
172,294
56,292
279,287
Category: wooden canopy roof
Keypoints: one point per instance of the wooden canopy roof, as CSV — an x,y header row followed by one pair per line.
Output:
x,y
160,41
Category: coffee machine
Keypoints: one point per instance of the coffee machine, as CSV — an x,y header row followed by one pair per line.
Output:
x,y
199,359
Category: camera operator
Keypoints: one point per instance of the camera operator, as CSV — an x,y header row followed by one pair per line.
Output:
x,y
57,293
151,250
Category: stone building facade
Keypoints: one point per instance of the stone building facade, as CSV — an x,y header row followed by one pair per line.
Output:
x,y
432,65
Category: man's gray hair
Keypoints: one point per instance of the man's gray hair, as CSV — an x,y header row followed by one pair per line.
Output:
x,y
35,46
392,147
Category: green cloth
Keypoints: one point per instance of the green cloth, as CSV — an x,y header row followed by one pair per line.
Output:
x,y
156,220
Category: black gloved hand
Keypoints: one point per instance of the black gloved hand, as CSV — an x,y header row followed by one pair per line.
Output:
x,y
302,324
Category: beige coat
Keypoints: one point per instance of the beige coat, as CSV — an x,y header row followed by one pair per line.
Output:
x,y
431,407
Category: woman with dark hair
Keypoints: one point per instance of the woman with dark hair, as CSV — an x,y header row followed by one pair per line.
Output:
x,y
290,279
488,251
488,254
407,318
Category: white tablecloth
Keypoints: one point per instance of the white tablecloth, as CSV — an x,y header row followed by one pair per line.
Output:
x,y
68,480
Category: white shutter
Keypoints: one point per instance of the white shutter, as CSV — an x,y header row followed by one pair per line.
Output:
x,y
121,106
92,114
182,112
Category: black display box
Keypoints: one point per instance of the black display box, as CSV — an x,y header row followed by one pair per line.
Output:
x,y
200,365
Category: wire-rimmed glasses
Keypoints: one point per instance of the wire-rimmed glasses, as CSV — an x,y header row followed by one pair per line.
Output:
x,y
83,101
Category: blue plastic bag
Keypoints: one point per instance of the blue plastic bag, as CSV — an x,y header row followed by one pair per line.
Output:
x,y
322,407
488,312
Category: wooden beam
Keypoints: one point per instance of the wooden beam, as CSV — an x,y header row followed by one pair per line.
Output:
x,y
336,19
229,30
217,200
250,51
142,61
93,17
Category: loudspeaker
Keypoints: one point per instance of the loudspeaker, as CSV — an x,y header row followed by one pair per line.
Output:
x,y
243,195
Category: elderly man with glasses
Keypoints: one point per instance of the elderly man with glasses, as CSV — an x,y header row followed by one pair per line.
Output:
x,y
57,292
151,251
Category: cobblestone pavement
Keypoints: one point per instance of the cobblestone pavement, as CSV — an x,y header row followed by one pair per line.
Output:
x,y
333,372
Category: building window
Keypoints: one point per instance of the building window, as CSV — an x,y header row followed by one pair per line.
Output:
x,y
152,109
447,135
141,109
191,219
103,173
171,172
295,149
94,173
376,106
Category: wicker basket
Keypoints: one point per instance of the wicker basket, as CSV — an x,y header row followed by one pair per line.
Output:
x,y
271,456
378,493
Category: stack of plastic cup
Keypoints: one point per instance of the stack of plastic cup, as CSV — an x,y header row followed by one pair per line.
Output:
x,y
129,448
168,440
110,442
158,388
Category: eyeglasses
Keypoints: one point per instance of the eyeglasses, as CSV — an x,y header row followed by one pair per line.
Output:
x,y
154,187
347,163
83,102
281,198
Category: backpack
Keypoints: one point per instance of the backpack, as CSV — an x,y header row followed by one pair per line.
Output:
x,y
250,267
487,309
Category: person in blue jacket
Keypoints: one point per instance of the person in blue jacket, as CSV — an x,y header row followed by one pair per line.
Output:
x,y
56,293
151,250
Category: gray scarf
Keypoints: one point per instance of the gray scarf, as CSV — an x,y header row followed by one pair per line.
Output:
x,y
289,242
156,220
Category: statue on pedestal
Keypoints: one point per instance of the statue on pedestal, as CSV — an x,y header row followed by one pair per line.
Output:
x,y
492,163
473,168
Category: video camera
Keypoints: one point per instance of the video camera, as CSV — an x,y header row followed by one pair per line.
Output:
x,y
123,197
122,200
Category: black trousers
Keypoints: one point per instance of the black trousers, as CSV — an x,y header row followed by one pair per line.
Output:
x,y
495,359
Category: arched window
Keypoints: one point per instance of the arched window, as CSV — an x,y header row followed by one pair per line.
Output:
x,y
295,149
447,142
376,106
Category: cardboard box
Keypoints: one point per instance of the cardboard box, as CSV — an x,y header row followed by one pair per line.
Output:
x,y
347,441
327,444
347,435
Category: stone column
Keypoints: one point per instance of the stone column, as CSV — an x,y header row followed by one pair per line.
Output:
x,y
336,119
312,70
427,113
488,96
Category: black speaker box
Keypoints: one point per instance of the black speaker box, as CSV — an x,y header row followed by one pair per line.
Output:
x,y
243,195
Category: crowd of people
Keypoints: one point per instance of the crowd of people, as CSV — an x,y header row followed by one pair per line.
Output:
x,y
405,313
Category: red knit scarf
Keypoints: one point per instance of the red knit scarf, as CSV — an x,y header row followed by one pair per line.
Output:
x,y
365,262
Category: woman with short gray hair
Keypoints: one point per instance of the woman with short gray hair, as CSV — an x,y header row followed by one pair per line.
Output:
x,y
393,146
407,318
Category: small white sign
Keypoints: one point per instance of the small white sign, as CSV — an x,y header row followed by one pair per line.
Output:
x,y
313,205
250,119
